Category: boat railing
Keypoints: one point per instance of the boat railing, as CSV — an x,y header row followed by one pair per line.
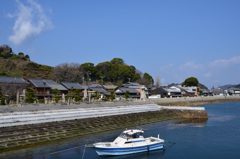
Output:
x,y
103,144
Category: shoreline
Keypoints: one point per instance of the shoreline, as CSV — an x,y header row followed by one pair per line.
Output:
x,y
30,135
194,101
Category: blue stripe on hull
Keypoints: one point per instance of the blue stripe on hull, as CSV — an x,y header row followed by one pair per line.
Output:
x,y
124,151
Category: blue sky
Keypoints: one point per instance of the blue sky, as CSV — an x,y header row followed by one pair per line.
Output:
x,y
172,39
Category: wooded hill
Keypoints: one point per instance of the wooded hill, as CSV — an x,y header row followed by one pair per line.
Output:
x,y
114,71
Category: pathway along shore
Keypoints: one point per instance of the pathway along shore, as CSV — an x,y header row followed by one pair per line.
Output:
x,y
193,101
32,124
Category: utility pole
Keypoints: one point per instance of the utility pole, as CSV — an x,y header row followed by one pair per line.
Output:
x,y
89,98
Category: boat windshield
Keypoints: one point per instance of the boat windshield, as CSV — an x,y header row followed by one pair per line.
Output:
x,y
127,136
124,135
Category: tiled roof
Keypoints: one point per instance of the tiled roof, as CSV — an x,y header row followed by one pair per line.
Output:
x,y
84,86
110,86
172,90
6,79
233,88
53,84
95,85
131,84
73,85
39,83
101,90
131,90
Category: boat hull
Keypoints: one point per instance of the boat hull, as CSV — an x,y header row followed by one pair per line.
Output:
x,y
105,151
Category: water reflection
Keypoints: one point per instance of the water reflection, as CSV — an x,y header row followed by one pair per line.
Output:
x,y
192,122
221,118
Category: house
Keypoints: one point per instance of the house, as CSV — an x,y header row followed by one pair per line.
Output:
x,y
126,85
120,93
110,87
205,92
186,91
158,93
100,90
95,86
234,91
11,86
192,91
140,89
218,91
72,85
43,87
7,79
173,92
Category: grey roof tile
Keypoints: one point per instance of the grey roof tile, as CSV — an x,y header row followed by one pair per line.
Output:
x,y
39,83
7,79
73,85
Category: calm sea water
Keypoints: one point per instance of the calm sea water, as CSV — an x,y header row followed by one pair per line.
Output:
x,y
218,137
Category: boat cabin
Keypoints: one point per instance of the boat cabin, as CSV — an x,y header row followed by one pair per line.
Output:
x,y
131,134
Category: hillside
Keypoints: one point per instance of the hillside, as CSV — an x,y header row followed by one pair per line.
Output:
x,y
25,69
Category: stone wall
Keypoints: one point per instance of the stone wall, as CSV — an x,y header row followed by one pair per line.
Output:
x,y
192,101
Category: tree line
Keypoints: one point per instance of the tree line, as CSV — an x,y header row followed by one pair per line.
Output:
x,y
6,52
114,71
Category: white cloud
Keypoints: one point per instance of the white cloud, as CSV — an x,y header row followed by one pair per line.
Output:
x,y
221,63
207,74
166,68
30,22
210,73
191,65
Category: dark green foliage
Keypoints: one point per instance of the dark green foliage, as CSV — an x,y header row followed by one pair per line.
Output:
x,y
41,101
96,94
191,81
3,74
126,95
112,95
7,53
89,69
115,71
56,94
2,97
77,96
117,61
148,77
33,65
30,95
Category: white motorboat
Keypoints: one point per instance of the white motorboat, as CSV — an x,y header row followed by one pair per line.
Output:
x,y
129,142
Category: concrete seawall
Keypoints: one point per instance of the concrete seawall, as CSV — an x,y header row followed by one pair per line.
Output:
x,y
26,125
193,101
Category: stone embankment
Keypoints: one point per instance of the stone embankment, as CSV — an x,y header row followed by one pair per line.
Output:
x,y
193,101
26,125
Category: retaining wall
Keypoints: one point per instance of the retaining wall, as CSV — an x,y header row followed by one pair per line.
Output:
x,y
192,101
21,126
